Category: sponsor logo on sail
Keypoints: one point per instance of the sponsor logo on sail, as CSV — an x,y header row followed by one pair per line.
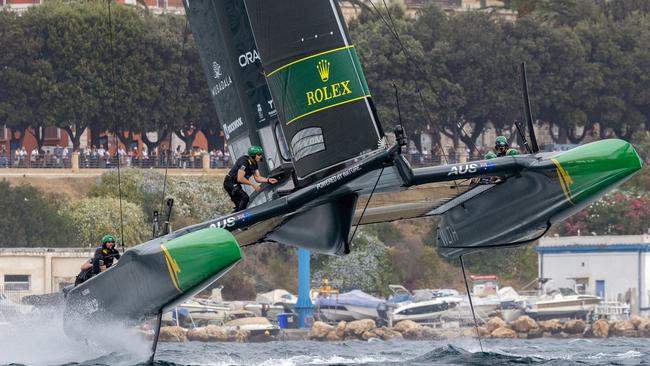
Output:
x,y
248,58
323,67
223,83
231,127
330,91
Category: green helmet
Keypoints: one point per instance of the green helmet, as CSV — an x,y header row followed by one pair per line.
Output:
x,y
512,152
254,150
501,141
108,238
490,155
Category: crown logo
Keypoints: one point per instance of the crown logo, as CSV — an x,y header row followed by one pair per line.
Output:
x,y
323,70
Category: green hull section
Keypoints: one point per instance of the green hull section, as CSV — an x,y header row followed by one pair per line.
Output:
x,y
194,257
593,168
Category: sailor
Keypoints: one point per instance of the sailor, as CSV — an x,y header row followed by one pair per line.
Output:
x,y
103,259
503,148
241,172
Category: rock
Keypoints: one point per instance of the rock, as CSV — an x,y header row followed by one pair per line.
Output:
x,y
561,335
333,335
237,335
495,323
552,326
575,326
428,333
369,334
319,330
405,325
340,329
535,333
173,334
600,329
523,324
623,328
503,332
211,333
386,333
197,334
408,328
358,327
636,320
643,328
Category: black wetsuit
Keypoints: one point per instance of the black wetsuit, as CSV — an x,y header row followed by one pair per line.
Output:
x,y
102,257
236,192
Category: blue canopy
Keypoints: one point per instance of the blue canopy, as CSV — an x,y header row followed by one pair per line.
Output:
x,y
354,297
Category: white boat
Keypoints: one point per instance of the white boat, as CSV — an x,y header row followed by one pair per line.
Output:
x,y
349,306
197,314
424,306
563,303
259,328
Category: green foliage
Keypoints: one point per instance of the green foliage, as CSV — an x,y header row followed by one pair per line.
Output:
x,y
367,267
95,217
29,220
196,199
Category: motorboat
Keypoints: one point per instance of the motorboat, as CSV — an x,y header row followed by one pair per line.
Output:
x,y
197,314
353,305
258,328
562,303
424,306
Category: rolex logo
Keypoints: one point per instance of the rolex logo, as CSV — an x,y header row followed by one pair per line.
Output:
x,y
323,70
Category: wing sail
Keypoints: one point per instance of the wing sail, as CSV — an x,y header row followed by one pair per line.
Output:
x,y
233,70
316,81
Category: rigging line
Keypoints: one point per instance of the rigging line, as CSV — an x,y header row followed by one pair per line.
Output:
x,y
180,63
399,113
366,205
393,32
471,305
119,176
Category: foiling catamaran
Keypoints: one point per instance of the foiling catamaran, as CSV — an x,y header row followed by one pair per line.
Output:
x,y
285,75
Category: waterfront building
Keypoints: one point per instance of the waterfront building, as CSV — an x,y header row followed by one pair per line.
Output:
x,y
37,271
613,267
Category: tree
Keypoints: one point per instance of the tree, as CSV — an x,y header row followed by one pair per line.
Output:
x,y
95,217
30,220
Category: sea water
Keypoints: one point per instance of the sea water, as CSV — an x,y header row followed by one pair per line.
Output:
x,y
39,340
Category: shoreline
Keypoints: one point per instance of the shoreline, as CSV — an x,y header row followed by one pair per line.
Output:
x,y
496,328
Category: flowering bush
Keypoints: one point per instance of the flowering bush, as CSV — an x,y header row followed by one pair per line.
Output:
x,y
365,268
94,217
617,213
196,199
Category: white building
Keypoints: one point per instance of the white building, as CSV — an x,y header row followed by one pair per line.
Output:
x,y
37,271
611,267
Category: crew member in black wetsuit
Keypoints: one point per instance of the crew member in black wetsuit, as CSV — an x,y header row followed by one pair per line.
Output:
x,y
241,172
102,260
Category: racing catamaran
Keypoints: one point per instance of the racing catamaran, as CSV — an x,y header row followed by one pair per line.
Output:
x,y
285,75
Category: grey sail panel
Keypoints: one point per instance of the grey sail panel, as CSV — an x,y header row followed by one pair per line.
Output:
x,y
316,81
234,74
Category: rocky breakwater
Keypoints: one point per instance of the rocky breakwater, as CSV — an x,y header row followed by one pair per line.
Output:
x,y
211,333
367,329
527,328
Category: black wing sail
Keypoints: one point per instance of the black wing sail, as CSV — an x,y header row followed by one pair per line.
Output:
x,y
235,78
316,81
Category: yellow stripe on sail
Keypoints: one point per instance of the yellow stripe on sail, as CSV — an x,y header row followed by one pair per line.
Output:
x,y
307,58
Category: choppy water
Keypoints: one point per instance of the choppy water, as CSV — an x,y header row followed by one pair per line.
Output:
x,y
39,340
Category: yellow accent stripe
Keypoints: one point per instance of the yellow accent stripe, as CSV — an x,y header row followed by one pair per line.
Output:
x,y
329,106
564,178
172,267
307,58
